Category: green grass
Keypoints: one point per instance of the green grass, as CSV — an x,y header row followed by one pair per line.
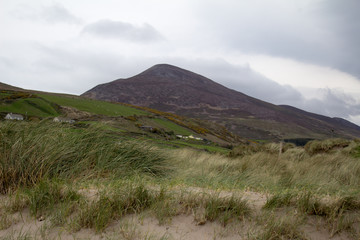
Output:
x,y
275,227
266,171
201,146
46,194
94,106
316,146
31,107
225,209
170,126
31,152
100,125
279,200
356,152
4,94
193,144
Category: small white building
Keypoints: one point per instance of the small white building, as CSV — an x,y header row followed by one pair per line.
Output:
x,y
195,138
147,128
189,137
13,116
62,119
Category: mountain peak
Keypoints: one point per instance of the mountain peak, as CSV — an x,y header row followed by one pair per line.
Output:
x,y
163,67
169,72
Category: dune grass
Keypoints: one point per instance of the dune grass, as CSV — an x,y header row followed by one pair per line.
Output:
x,y
50,169
30,152
335,172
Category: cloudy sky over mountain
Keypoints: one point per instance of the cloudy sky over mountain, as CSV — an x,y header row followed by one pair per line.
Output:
x,y
301,52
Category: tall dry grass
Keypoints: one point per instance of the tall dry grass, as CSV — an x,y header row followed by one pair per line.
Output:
x,y
330,172
31,152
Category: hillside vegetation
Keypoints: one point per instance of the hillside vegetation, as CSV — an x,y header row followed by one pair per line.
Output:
x,y
84,178
120,119
26,104
93,106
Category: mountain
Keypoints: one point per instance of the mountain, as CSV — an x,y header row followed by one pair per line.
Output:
x,y
172,89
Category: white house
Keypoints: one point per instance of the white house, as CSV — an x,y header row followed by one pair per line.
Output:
x,y
189,137
13,116
62,119
147,128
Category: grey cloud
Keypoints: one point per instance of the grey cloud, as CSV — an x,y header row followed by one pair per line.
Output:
x,y
254,84
343,18
324,32
334,103
53,14
121,30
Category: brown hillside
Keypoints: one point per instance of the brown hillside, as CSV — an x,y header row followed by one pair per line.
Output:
x,y
9,87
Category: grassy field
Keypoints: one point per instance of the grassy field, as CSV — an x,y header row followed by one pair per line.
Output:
x,y
77,179
94,106
172,127
189,144
30,106
197,144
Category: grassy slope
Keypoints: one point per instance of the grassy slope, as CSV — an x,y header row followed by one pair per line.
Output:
x,y
111,109
94,106
195,145
172,127
41,106
31,107
199,145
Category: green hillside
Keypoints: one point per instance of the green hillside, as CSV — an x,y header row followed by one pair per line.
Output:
x,y
170,126
26,104
123,121
93,106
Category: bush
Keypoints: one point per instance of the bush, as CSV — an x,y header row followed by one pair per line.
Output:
x,y
325,146
251,148
245,149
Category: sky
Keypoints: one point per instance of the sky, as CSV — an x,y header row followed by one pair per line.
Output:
x,y
303,53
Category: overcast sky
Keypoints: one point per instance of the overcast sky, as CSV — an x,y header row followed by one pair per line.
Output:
x,y
303,53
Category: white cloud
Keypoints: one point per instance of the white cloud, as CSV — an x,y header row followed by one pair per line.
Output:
x,y
106,28
57,13
300,74
52,13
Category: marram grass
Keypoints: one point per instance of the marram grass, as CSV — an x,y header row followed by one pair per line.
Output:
x,y
31,152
